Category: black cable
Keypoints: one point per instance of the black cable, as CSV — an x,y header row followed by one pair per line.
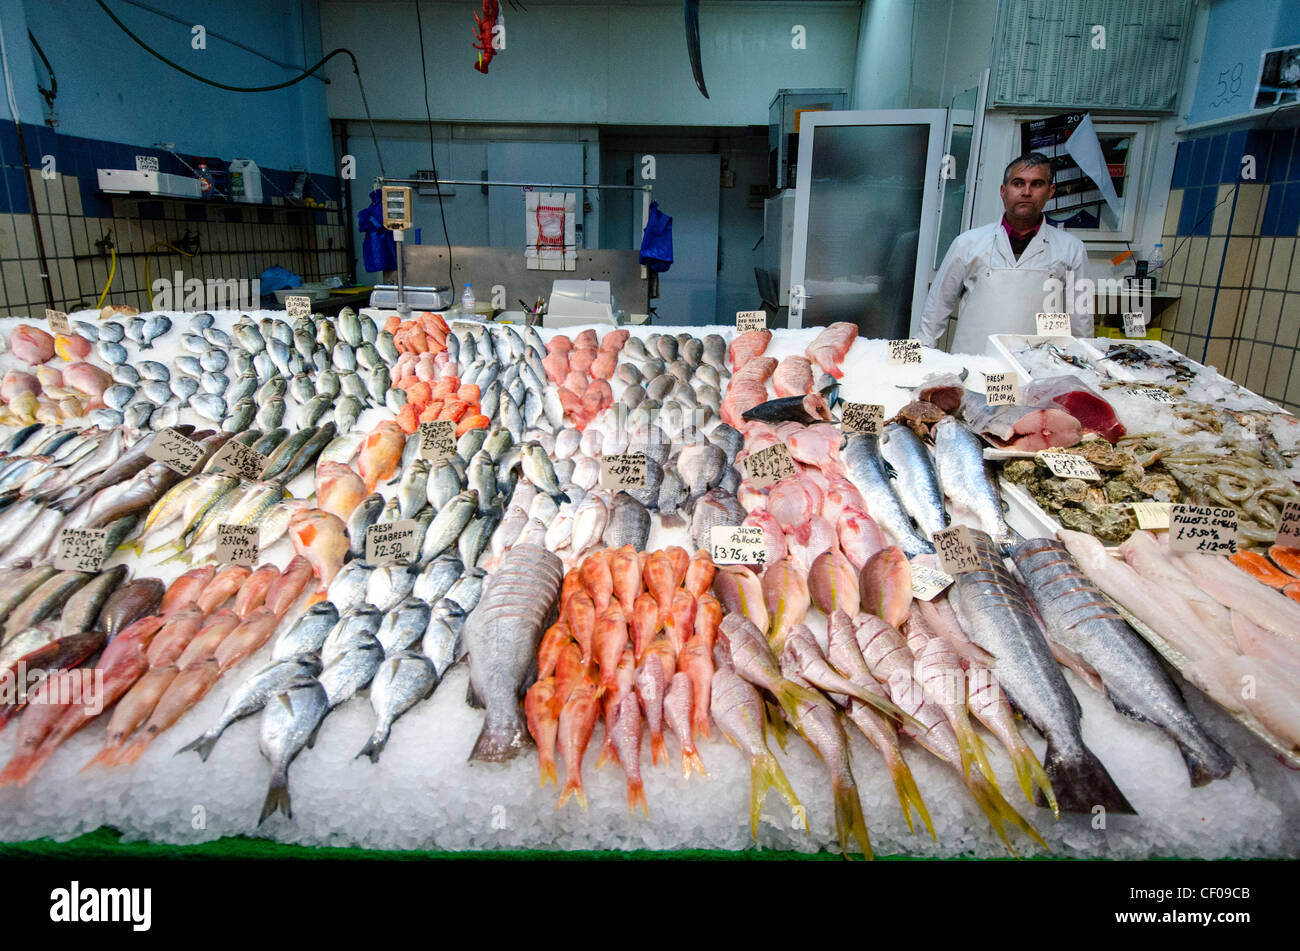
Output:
x,y
424,72
52,93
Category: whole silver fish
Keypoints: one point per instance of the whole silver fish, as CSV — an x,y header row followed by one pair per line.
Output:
x,y
402,680
352,670
448,524
403,625
82,609
628,524
289,721
867,471
919,482
253,694
354,628
307,636
44,601
348,589
390,584
966,477
19,583
437,578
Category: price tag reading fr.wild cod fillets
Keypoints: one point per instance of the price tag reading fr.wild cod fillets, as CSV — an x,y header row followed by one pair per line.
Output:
x,y
1288,529
769,466
904,351
957,550
391,543
81,549
1151,515
866,418
1001,389
237,545
437,440
297,305
58,321
928,582
737,545
240,460
1053,325
750,320
624,470
1066,465
175,451
1135,324
1203,528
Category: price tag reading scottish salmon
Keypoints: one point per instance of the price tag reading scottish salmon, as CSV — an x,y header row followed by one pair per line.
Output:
x,y
904,351
957,550
1135,324
392,543
737,545
1066,465
1154,393
58,321
1288,529
928,582
750,320
1001,389
623,471
240,460
437,440
1203,528
81,549
237,545
1151,515
769,466
866,418
175,451
297,305
1053,325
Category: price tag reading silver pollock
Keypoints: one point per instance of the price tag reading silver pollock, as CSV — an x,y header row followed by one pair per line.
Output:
x,y
737,545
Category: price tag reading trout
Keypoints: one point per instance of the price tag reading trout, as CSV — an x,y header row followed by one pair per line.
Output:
x,y
750,320
1066,465
1053,325
1001,389
240,460
904,351
297,305
81,549
623,471
175,451
1135,324
1203,528
392,543
957,550
1152,515
58,321
237,545
928,582
737,545
1154,393
866,418
1288,529
437,440
769,466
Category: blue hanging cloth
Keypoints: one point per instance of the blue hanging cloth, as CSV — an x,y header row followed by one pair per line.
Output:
x,y
379,250
657,241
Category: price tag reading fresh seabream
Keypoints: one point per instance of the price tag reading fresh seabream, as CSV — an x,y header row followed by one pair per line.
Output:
x,y
957,550
81,549
58,321
866,418
626,470
1151,515
904,351
1001,389
750,320
391,543
237,545
437,440
1288,529
928,582
239,459
1066,465
737,545
175,451
1203,528
297,305
1135,324
1053,325
769,466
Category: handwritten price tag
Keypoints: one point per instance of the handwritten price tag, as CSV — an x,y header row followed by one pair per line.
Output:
x,y
623,471
58,321
750,320
146,163
957,550
1154,393
437,440
81,549
1152,515
769,466
237,545
905,351
1203,528
1001,389
392,543
1053,325
240,460
297,305
866,418
1288,529
1135,324
175,451
737,545
1067,465
928,582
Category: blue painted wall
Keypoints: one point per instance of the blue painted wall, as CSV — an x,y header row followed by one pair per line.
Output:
x,y
1237,33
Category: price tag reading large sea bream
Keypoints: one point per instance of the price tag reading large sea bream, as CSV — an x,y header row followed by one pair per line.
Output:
x,y
437,440
1001,389
1066,465
1152,515
1203,528
957,550
769,466
1135,324
297,305
750,320
1288,529
1053,325
58,321
175,451
904,351
928,582
81,549
237,545
624,470
240,460
866,418
737,545
391,543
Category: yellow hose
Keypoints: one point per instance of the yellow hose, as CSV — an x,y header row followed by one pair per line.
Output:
x,y
112,272
148,262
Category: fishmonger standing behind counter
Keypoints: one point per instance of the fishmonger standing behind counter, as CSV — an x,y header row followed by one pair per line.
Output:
x,y
1000,271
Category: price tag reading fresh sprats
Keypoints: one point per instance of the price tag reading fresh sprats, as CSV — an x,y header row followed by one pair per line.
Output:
x,y
437,440
626,470
58,321
769,466
928,582
240,460
81,549
175,451
957,550
1066,465
750,320
866,418
1203,528
904,351
1154,393
1135,324
1053,325
391,543
1288,529
1001,389
297,305
737,545
237,545
1152,515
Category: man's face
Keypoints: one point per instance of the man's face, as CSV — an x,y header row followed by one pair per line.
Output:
x,y
1025,195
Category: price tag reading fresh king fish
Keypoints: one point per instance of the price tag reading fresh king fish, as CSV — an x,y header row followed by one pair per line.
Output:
x,y
623,471
904,351
1288,529
769,466
1066,465
866,418
297,305
58,321
1053,325
239,459
928,582
237,545
1001,389
1151,515
1203,528
175,451
957,550
391,543
737,545
750,320
81,549
1135,324
437,440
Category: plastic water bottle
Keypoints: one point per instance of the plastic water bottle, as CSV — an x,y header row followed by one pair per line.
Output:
x,y
467,300
1156,265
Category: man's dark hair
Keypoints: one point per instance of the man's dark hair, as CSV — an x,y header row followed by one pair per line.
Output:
x,y
1028,160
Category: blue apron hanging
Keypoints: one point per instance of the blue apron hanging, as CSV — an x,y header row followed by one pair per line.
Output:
x,y
657,241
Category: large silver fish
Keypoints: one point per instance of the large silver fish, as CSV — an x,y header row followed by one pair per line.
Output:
x,y
918,480
867,471
966,478
402,680
289,722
